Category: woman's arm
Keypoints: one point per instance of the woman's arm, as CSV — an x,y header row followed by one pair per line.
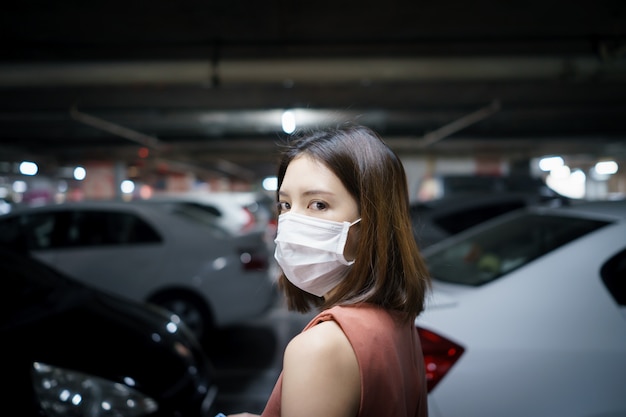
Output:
x,y
320,374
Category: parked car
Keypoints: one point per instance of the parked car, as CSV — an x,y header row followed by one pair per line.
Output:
x,y
448,185
527,315
71,350
236,211
438,219
177,259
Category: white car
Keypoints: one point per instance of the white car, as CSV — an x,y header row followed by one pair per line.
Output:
x,y
527,316
236,211
177,259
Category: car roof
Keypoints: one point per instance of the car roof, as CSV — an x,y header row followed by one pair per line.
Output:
x,y
228,196
88,204
457,202
152,211
614,209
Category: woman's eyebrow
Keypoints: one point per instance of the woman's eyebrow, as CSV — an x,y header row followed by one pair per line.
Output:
x,y
309,193
317,192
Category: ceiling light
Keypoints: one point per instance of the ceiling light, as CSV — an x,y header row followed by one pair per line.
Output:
x,y
79,173
28,168
606,167
289,121
270,184
550,162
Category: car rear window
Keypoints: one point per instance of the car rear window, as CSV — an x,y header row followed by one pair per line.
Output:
x,y
199,214
457,222
486,255
614,277
75,228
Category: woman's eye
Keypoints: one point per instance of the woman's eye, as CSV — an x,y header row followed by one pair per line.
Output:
x,y
317,205
282,206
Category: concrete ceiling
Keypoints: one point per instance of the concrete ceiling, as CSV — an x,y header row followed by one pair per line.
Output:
x,y
203,84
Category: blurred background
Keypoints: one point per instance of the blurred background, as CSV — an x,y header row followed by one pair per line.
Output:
x,y
178,96
491,105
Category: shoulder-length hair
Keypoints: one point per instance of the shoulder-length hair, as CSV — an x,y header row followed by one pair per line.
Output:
x,y
389,270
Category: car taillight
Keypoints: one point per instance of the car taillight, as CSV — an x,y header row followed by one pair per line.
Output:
x,y
253,260
272,227
439,355
250,222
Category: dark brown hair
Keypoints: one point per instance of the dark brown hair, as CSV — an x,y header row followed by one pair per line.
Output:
x,y
389,270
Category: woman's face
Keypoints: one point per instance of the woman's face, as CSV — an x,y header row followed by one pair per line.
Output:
x,y
311,189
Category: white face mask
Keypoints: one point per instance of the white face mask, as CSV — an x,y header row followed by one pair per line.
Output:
x,y
310,251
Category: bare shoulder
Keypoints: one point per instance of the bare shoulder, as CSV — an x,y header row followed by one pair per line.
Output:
x,y
320,340
320,363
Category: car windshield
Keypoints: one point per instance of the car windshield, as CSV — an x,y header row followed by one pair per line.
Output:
x,y
485,255
200,214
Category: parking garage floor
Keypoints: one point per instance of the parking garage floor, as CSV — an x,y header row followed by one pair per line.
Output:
x,y
248,358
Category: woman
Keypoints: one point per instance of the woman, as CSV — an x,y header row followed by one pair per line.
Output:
x,y
345,246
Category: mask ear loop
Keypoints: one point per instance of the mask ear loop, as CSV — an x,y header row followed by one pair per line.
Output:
x,y
346,239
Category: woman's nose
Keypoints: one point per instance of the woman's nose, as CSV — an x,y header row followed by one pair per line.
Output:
x,y
297,209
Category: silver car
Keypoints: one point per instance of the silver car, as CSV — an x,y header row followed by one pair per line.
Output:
x,y
177,259
527,316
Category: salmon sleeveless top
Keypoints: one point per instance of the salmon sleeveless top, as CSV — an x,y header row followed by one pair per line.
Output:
x,y
391,363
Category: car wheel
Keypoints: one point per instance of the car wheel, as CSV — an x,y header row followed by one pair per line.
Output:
x,y
191,309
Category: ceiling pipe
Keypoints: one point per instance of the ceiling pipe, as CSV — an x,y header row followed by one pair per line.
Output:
x,y
117,130
301,70
465,121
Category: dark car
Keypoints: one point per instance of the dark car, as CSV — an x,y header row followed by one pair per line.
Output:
x,y
438,219
448,185
70,350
